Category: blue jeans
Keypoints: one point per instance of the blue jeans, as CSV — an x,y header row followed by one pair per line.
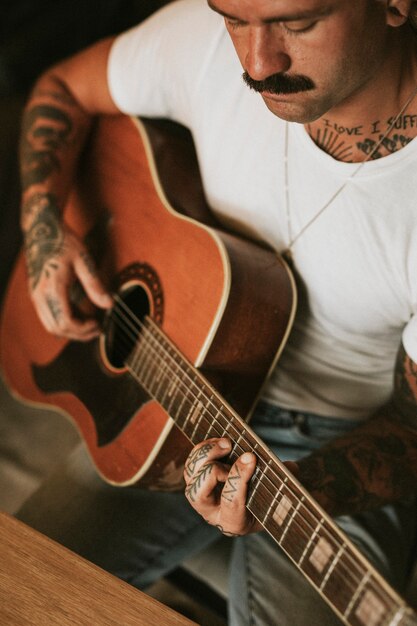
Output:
x,y
141,535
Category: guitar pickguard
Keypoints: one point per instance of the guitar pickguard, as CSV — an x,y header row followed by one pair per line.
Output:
x,y
111,397
111,400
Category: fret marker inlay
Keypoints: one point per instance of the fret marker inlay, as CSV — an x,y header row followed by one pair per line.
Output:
x,y
321,555
282,510
370,609
196,412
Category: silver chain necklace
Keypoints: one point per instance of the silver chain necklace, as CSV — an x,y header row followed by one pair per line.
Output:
x,y
293,239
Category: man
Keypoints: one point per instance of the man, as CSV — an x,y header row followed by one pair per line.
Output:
x,y
324,170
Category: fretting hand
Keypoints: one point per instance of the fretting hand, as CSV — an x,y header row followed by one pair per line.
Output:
x,y
217,491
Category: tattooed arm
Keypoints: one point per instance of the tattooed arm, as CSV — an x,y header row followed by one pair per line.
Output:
x,y
56,121
377,462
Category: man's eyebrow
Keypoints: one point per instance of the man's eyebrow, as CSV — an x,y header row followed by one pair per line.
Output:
x,y
302,15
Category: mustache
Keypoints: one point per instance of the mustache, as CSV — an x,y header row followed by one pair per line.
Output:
x,y
279,83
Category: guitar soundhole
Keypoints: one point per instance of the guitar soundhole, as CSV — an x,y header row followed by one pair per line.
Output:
x,y
124,324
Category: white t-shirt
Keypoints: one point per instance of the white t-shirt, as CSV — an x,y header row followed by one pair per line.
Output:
x,y
358,261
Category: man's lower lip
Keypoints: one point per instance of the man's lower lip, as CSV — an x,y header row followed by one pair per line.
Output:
x,y
276,96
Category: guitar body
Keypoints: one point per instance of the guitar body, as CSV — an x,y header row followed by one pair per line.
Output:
x,y
225,303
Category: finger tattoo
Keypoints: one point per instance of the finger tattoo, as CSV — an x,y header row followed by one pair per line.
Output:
x,y
54,307
193,487
231,485
197,455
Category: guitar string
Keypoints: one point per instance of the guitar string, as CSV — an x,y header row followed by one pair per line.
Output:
x,y
390,605
302,530
141,326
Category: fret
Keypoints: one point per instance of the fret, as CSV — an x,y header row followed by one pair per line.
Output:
x,y
222,412
292,516
202,412
333,565
371,610
274,501
149,373
191,413
156,380
179,411
168,381
397,618
344,577
289,515
356,595
306,549
233,454
216,421
281,515
254,485
172,392
195,415
320,554
212,430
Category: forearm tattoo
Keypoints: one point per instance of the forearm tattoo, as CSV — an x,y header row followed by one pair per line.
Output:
x,y
46,130
377,462
43,238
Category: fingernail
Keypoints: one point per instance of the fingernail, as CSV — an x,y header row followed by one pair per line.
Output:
x,y
107,300
224,443
246,458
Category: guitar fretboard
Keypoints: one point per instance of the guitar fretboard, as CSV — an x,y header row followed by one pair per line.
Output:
x,y
307,535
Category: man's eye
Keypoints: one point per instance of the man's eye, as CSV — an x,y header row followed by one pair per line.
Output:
x,y
233,23
300,26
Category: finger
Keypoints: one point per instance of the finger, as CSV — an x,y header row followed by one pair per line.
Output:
x,y
86,272
234,518
202,492
208,450
236,486
62,321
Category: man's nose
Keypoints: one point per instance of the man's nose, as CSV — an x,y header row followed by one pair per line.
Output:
x,y
266,54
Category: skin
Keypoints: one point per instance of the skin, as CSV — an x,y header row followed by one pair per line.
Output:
x,y
56,121
377,462
329,42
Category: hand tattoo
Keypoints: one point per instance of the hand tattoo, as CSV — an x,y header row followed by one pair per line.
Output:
x,y
226,533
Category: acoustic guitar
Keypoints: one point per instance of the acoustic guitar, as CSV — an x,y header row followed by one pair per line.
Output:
x,y
200,318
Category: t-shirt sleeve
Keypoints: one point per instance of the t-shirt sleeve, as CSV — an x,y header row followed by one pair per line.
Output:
x,y
155,67
410,338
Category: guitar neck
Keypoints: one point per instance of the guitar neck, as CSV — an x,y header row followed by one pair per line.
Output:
x,y
332,564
